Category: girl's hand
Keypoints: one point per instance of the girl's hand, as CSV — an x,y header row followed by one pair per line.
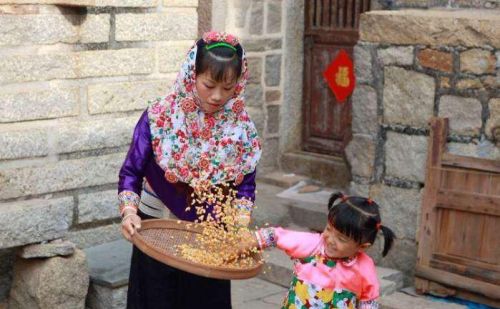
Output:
x,y
131,223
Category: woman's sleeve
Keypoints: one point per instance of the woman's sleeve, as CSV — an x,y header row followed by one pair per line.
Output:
x,y
245,197
294,244
132,171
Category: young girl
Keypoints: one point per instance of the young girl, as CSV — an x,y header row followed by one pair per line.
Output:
x,y
331,270
200,131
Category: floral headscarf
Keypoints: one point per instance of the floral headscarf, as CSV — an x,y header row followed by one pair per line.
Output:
x,y
191,146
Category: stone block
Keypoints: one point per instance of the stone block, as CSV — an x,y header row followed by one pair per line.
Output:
x,y
431,27
56,247
399,208
54,102
23,144
89,3
361,155
363,63
408,103
494,119
168,3
105,297
173,24
273,95
444,82
273,70
97,206
120,97
435,59
7,256
359,189
256,17
399,55
484,149
115,62
491,82
273,16
405,156
253,95
269,159
171,55
61,175
403,257
35,220
95,236
273,119
126,3
474,83
399,300
258,45
58,282
255,69
51,29
464,114
94,134
364,110
25,68
258,117
477,61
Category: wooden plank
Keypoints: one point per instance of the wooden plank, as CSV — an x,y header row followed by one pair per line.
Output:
x,y
334,11
490,244
461,261
492,166
470,202
325,14
487,289
349,14
358,7
477,273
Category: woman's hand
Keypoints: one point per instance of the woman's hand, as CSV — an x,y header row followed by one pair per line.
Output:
x,y
247,244
131,223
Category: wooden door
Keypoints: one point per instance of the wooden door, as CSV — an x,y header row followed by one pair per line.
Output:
x,y
459,234
330,25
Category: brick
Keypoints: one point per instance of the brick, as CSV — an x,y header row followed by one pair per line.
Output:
x,y
119,97
59,176
400,147
464,114
436,60
431,27
174,24
408,103
36,220
30,105
494,119
23,144
94,134
273,95
172,54
402,55
180,3
273,70
115,62
477,61
51,28
95,236
97,206
360,153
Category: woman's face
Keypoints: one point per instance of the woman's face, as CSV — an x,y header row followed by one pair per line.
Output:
x,y
212,94
338,245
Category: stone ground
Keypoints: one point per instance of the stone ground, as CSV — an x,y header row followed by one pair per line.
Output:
x,y
256,293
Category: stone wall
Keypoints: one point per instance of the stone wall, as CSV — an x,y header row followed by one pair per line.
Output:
x,y
412,65
258,23
74,79
425,4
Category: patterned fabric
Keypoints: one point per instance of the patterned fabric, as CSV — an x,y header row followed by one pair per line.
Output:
x,y
128,199
191,146
266,237
244,209
303,295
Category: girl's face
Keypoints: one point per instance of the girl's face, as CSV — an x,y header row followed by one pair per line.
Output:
x,y
212,94
338,245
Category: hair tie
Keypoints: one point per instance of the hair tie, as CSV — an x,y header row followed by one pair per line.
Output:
x,y
369,201
220,44
344,197
379,226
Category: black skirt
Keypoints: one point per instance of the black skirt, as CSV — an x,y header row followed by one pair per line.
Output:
x,y
154,285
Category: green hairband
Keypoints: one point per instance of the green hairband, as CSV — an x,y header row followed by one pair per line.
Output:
x,y
220,44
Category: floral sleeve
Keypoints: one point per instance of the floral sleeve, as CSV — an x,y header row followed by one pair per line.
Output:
x,y
245,197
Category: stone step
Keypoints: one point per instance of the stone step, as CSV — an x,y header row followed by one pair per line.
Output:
x,y
109,267
308,209
278,270
402,300
281,179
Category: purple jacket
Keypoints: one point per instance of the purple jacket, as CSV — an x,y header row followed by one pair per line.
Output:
x,y
140,164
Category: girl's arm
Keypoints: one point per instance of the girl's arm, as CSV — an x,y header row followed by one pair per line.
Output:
x,y
370,293
293,243
132,171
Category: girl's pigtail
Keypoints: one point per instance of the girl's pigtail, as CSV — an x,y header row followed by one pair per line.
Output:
x,y
389,237
335,196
